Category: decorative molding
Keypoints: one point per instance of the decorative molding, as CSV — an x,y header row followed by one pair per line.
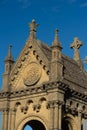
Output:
x,y
33,74
14,78
37,107
24,109
44,88
54,103
75,108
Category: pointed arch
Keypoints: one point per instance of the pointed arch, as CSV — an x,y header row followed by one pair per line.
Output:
x,y
69,123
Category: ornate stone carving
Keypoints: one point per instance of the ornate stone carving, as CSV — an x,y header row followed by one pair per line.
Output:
x,y
24,109
33,74
36,107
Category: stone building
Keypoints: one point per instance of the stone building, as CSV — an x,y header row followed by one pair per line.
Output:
x,y
44,88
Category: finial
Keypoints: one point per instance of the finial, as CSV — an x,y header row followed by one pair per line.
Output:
x,y
76,45
9,56
56,40
56,32
33,20
9,51
33,25
56,36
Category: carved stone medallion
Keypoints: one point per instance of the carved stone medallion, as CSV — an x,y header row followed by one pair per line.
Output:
x,y
33,74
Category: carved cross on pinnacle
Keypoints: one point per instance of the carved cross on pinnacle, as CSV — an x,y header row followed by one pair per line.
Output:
x,y
33,25
76,45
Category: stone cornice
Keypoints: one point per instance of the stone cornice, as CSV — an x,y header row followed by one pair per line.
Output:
x,y
45,88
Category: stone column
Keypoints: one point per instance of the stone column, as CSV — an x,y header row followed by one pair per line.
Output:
x,y
5,120
79,120
51,116
13,114
60,116
56,116
9,120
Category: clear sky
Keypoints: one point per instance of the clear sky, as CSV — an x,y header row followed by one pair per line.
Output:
x,y
69,16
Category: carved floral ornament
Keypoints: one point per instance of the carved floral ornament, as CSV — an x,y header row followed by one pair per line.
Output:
x,y
42,103
33,74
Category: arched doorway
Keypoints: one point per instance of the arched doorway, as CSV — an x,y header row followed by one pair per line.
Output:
x,y
34,125
68,123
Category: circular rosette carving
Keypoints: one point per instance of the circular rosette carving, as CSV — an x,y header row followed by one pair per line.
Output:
x,y
33,74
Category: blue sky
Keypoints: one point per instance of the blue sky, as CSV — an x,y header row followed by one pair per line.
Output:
x,y
69,16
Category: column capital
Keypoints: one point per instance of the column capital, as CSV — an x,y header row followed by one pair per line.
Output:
x,y
60,103
51,104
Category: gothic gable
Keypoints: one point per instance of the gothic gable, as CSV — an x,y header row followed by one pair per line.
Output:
x,y
31,67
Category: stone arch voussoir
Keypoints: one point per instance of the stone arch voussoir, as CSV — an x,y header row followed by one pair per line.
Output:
x,y
21,124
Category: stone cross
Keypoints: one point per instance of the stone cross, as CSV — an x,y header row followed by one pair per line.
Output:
x,y
76,45
33,25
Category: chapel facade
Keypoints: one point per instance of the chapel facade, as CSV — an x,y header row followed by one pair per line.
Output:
x,y
44,88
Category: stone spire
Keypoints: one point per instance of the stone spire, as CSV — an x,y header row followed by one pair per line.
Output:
x,y
56,60
56,40
9,61
33,25
76,45
9,56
